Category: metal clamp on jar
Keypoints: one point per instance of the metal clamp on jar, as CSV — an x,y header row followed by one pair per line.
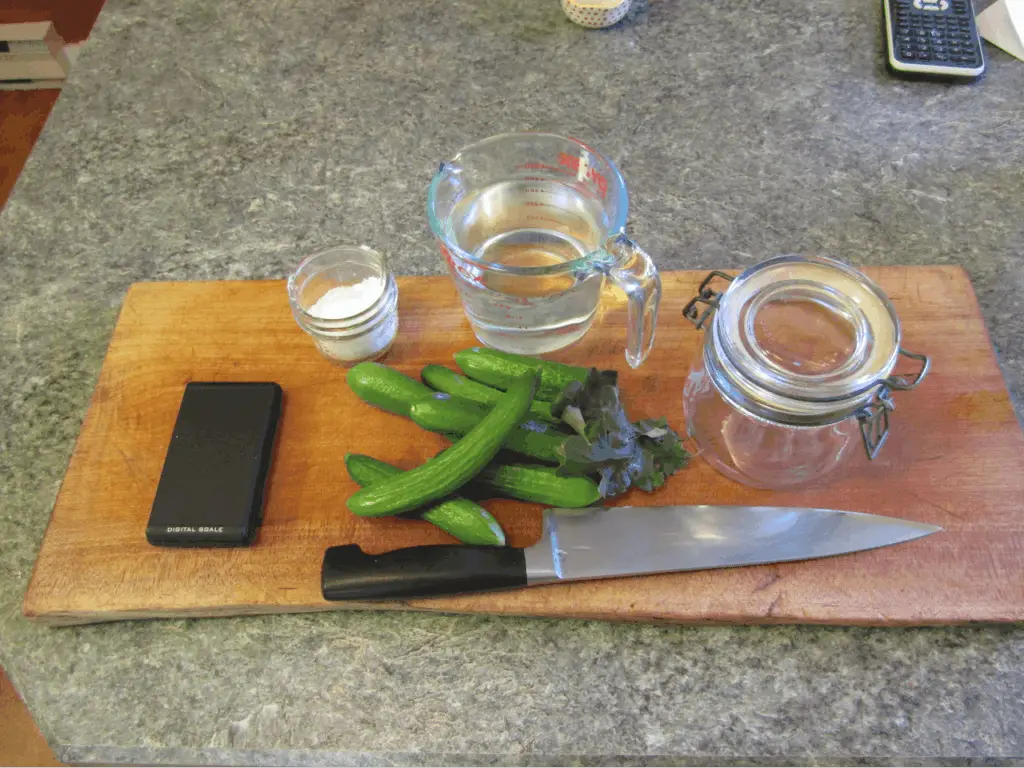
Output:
x,y
796,370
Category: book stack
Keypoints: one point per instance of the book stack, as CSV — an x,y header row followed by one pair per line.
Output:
x,y
32,56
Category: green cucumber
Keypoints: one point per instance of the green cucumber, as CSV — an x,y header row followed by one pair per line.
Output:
x,y
451,416
500,369
540,484
443,474
444,380
465,520
385,387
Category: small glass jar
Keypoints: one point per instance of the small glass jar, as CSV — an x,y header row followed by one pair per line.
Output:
x,y
346,298
796,371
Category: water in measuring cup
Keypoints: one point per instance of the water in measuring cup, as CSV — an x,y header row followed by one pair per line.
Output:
x,y
528,224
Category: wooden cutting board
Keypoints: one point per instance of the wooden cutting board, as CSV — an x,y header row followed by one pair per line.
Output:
x,y
955,459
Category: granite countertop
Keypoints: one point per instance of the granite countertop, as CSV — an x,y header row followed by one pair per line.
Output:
x,y
226,140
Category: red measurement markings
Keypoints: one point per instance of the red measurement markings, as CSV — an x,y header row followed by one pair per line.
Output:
x,y
573,163
458,268
539,167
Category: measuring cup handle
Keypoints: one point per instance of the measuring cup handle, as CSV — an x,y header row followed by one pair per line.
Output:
x,y
633,271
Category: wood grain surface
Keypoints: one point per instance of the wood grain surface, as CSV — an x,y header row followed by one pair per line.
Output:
x,y
23,113
955,459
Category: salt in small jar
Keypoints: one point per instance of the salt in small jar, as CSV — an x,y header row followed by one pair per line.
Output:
x,y
346,298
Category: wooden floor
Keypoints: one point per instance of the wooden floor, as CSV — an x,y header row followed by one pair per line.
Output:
x,y
20,740
23,113
22,117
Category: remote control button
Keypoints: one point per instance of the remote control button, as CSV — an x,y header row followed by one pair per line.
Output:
x,y
909,55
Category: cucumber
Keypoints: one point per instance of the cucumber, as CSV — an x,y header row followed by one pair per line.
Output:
x,y
500,369
540,484
455,467
385,387
452,416
466,521
444,380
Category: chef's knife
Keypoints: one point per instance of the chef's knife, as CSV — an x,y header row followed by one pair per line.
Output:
x,y
601,543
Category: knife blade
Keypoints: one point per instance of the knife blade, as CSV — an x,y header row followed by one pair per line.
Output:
x,y
610,542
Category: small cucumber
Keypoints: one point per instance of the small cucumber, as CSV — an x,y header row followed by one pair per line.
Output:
x,y
385,387
539,484
455,467
500,369
449,415
466,521
444,380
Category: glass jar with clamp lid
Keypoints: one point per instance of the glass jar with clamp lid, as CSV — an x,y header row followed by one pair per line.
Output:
x,y
795,376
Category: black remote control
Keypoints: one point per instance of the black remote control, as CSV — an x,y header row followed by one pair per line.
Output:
x,y
933,38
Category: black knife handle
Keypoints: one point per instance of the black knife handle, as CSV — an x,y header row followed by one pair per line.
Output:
x,y
428,571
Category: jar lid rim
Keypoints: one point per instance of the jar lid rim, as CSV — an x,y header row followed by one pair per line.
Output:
x,y
804,337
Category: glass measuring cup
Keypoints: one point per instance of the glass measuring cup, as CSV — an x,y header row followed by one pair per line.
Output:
x,y
530,224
